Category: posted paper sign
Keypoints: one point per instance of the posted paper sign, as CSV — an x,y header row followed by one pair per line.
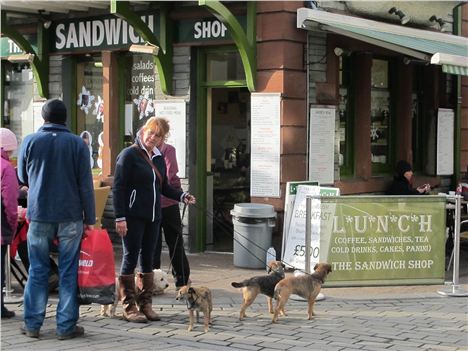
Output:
x,y
445,137
174,112
294,252
290,198
265,145
322,144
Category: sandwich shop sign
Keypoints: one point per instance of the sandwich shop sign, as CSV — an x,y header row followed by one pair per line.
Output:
x,y
114,33
98,33
384,240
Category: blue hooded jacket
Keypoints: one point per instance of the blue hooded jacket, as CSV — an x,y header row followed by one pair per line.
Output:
x,y
54,163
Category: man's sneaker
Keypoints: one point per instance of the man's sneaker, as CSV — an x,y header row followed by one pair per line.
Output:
x,y
77,332
29,333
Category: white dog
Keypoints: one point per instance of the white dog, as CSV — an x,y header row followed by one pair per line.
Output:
x,y
160,284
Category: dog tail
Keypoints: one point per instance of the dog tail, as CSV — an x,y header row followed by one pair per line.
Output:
x,y
238,285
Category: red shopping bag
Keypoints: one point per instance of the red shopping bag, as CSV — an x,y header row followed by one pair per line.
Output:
x,y
96,271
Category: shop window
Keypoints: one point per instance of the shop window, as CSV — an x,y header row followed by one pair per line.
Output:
x,y
140,93
224,66
345,129
90,111
18,100
381,155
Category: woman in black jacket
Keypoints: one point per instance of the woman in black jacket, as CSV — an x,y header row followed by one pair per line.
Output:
x,y
139,180
403,181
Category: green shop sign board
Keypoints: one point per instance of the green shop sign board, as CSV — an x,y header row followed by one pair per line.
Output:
x,y
8,46
384,240
110,32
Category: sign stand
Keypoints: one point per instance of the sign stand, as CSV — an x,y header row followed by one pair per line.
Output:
x,y
455,289
9,298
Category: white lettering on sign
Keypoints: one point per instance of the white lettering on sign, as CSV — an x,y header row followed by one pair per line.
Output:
x,y
209,29
12,47
85,34
72,39
85,263
111,31
60,34
98,33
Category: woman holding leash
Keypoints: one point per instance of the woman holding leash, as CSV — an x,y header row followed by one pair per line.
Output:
x,y
139,181
171,222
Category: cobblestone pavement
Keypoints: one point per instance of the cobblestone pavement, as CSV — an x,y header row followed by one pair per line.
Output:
x,y
385,318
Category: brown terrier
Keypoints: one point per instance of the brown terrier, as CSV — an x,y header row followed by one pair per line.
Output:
x,y
307,286
197,299
264,284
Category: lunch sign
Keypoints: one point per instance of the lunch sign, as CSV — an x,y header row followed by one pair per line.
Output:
x,y
384,240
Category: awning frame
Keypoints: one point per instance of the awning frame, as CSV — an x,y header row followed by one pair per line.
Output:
x,y
311,19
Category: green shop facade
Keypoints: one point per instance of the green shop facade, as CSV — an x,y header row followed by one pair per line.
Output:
x,y
200,65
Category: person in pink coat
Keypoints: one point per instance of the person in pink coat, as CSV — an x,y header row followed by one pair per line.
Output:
x,y
9,187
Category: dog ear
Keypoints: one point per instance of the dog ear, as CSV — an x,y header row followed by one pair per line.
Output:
x,y
191,290
315,267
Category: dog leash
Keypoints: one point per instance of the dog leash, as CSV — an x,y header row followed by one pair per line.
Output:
x,y
176,242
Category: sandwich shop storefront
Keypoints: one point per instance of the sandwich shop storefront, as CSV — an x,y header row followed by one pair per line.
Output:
x,y
110,91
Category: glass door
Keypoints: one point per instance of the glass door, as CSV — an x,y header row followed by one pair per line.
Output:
x,y
90,111
223,144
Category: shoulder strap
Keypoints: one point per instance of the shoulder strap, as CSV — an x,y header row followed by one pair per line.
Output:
x,y
147,159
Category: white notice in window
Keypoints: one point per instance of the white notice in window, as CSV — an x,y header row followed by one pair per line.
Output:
x,y
322,144
265,145
445,134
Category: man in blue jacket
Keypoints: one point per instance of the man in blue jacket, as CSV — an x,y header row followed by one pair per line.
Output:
x,y
54,163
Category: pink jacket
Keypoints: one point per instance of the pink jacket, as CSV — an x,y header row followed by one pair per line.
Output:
x,y
169,153
9,196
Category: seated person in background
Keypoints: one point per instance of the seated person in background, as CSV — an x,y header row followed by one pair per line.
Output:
x,y
403,181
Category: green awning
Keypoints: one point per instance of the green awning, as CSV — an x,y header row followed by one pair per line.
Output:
x,y
422,44
461,71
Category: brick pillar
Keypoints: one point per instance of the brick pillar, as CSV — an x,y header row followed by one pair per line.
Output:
x,y
281,69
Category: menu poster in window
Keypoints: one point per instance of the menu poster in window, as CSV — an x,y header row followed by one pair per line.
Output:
x,y
445,139
141,88
174,112
265,145
322,144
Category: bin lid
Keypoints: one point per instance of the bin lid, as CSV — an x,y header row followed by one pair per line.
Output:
x,y
252,210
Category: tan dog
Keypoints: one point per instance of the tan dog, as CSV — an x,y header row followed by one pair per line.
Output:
x,y
264,284
160,284
197,299
307,286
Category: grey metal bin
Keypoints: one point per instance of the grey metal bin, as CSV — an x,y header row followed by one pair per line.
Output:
x,y
253,224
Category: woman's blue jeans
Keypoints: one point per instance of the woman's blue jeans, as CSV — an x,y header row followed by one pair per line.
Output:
x,y
139,244
40,237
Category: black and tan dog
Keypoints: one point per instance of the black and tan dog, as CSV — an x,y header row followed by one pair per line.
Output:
x,y
197,299
264,284
307,286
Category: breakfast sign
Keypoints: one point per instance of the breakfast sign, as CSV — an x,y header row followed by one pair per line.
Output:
x,y
384,240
